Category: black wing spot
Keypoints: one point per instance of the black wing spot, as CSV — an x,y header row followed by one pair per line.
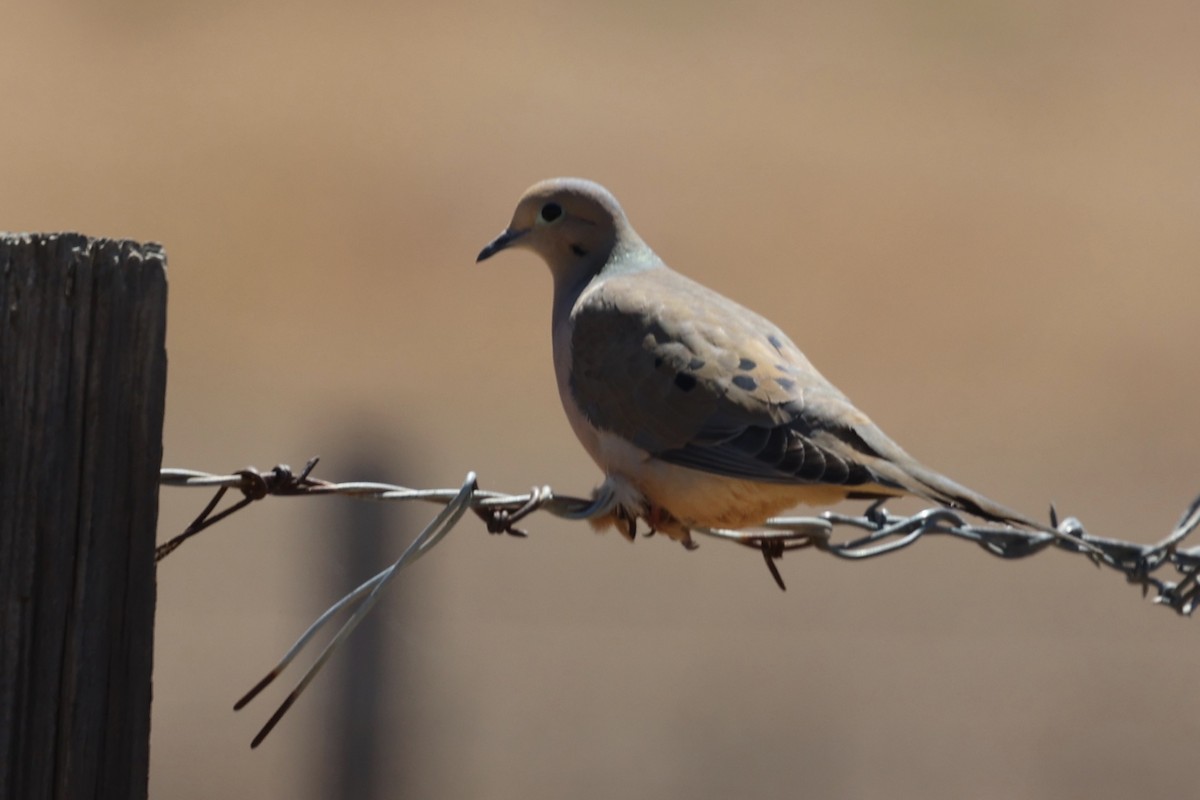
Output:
x,y
695,363
685,381
746,365
776,343
787,384
745,382
578,250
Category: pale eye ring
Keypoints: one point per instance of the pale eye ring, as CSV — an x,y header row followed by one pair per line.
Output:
x,y
550,212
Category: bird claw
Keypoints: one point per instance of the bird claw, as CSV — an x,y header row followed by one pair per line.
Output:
x,y
626,523
657,520
661,520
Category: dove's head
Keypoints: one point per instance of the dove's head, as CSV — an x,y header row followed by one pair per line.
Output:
x,y
576,226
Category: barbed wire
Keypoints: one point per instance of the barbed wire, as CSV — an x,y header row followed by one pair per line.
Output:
x,y
1164,568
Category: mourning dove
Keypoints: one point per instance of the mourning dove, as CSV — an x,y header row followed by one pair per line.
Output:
x,y
700,412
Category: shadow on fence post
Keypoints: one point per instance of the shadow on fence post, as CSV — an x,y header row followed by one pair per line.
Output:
x,y
82,383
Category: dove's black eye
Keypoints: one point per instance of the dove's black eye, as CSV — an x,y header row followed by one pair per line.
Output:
x,y
551,212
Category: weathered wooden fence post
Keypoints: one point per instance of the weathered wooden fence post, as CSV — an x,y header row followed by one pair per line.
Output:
x,y
82,383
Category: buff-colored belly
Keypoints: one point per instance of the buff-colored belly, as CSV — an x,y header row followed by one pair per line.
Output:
x,y
696,498
702,499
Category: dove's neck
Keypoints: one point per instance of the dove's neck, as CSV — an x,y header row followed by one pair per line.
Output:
x,y
628,254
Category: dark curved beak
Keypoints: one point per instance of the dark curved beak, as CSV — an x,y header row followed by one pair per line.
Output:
x,y
501,242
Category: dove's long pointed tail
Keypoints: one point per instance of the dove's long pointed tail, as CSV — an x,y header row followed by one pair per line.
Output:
x,y
890,461
924,482
937,487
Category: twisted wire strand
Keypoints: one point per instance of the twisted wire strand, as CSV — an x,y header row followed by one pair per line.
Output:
x,y
1164,569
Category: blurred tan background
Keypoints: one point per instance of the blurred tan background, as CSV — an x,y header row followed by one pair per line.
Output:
x,y
978,218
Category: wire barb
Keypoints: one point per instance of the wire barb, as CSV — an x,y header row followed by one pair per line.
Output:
x,y
878,532
250,482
